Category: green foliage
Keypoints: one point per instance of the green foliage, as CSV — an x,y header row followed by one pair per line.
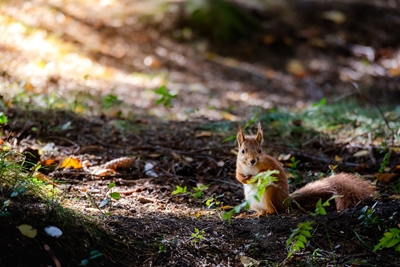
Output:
x,y
261,181
213,200
321,103
3,118
198,191
369,219
298,239
166,97
115,195
197,236
220,20
319,207
385,160
93,255
245,126
179,190
110,101
390,239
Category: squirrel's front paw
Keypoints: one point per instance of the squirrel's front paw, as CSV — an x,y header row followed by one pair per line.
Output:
x,y
244,179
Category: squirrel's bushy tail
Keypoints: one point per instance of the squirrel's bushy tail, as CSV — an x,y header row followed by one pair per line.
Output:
x,y
351,189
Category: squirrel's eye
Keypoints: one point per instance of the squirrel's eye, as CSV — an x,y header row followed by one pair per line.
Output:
x,y
242,151
259,151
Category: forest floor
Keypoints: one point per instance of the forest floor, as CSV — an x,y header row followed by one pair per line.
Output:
x,y
79,88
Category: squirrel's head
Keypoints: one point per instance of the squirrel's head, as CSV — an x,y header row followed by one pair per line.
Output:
x,y
250,149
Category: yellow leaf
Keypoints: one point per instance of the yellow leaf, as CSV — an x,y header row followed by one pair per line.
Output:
x,y
27,230
70,162
338,159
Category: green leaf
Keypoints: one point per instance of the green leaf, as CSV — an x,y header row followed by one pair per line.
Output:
x,y
111,185
3,118
95,254
115,195
179,190
84,262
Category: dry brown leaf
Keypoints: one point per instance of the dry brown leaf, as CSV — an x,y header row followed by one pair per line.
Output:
x,y
270,74
123,163
361,167
203,134
296,68
386,177
70,162
104,172
268,39
154,155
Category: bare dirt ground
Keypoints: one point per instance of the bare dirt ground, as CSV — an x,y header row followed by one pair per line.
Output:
x,y
107,49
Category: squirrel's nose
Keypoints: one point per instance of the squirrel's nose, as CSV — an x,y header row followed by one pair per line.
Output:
x,y
253,161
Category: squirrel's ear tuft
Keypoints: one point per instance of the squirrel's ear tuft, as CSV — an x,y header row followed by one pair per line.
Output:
x,y
259,136
240,136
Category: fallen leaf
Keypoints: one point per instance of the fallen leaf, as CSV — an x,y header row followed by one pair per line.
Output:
x,y
268,39
361,167
247,261
336,16
154,155
338,159
104,172
123,163
27,230
361,153
203,134
47,162
70,162
386,177
295,68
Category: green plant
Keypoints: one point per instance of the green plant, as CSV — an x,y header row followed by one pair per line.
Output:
x,y
199,190
197,236
213,200
262,181
110,101
166,96
93,255
298,239
390,239
369,219
179,190
3,118
112,195
320,207
385,160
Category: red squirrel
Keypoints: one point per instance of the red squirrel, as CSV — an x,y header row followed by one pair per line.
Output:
x,y
251,160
